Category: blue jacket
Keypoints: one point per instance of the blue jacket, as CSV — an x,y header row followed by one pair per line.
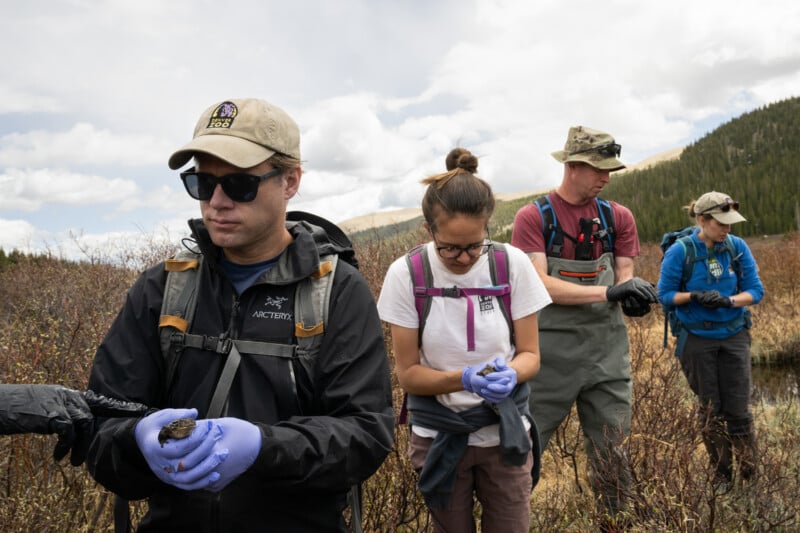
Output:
x,y
728,284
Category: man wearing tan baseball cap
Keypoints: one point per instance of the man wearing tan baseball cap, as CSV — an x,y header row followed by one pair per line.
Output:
x,y
280,407
244,133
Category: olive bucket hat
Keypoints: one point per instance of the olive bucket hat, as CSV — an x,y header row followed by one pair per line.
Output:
x,y
593,147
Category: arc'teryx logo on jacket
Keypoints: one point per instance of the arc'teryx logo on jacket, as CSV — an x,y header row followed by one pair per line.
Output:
x,y
275,310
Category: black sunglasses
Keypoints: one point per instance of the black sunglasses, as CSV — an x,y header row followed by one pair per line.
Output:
x,y
608,150
239,187
724,207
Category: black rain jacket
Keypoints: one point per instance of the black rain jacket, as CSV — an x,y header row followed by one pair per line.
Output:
x,y
319,436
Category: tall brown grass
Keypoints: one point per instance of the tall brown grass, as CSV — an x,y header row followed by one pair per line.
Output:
x,y
55,313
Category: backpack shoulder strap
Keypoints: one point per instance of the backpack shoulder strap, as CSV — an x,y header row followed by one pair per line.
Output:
x,y
607,232
499,269
311,307
553,240
422,279
689,258
178,306
730,246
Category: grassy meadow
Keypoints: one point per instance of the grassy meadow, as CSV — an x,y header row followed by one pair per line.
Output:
x,y
54,314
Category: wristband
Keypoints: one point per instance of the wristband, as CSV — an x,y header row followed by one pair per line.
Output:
x,y
733,302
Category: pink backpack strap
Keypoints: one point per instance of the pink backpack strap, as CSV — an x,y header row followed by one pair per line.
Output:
x,y
421,277
500,276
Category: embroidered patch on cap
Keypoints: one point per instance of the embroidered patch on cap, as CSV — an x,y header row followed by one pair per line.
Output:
x,y
223,115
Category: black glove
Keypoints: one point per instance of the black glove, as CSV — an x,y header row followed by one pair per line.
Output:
x,y
111,407
710,299
634,307
48,409
643,291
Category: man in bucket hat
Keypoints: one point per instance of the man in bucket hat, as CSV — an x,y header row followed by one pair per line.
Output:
x,y
293,429
583,248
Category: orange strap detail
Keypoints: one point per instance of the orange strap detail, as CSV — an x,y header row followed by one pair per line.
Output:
x,y
174,321
176,265
300,331
323,270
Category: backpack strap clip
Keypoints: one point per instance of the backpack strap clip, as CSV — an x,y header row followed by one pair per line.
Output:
x,y
451,292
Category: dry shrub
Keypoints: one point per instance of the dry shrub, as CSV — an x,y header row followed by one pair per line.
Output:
x,y
54,314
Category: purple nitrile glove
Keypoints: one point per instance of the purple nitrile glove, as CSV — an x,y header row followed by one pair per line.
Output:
x,y
500,382
188,463
472,378
239,441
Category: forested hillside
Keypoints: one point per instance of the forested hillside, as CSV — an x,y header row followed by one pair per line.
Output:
x,y
755,158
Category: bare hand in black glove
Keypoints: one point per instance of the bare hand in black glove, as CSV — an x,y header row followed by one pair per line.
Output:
x,y
643,291
710,299
48,409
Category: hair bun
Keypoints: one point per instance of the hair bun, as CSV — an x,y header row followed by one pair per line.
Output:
x,y
463,159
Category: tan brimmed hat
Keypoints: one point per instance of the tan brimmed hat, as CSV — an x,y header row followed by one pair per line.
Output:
x,y
593,147
243,132
720,206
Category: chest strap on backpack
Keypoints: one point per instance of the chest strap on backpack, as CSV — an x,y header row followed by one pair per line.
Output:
x,y
456,292
423,290
554,234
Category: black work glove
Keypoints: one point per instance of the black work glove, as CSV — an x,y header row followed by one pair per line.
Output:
x,y
710,299
634,307
642,291
48,409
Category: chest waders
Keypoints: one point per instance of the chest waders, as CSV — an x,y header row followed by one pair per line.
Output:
x,y
585,361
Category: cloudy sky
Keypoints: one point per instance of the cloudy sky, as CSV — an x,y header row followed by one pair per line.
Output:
x,y
96,94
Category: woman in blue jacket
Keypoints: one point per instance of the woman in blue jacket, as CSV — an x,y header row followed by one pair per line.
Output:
x,y
714,339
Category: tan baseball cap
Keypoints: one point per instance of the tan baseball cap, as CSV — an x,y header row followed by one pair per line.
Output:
x,y
593,147
243,132
720,206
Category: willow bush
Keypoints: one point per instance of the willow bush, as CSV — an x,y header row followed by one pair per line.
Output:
x,y
54,313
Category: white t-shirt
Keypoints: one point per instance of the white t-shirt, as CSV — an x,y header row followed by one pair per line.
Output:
x,y
444,339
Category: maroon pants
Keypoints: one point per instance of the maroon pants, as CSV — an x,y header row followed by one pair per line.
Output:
x,y
504,491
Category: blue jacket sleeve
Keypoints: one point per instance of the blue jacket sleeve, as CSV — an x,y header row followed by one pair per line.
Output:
x,y
749,279
669,280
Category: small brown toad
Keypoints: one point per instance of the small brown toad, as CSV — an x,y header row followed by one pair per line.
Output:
x,y
177,429
488,369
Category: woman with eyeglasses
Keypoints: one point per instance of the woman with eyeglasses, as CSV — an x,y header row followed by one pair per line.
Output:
x,y
465,372
711,294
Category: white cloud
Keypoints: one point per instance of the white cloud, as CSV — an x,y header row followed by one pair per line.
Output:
x,y
31,190
103,92
83,144
19,235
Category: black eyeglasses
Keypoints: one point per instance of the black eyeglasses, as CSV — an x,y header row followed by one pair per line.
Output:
x,y
451,251
239,187
608,150
724,207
